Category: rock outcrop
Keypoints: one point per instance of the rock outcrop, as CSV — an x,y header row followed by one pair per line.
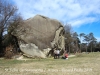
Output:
x,y
36,36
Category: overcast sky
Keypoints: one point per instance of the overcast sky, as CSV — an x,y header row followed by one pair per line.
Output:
x,y
83,15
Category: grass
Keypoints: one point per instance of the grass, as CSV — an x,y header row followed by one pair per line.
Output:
x,y
81,64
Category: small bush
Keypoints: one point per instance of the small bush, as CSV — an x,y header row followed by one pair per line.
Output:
x,y
8,54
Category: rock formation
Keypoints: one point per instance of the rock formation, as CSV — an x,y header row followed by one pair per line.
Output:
x,y
36,36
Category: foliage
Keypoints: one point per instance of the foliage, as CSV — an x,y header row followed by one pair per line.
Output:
x,y
8,18
80,42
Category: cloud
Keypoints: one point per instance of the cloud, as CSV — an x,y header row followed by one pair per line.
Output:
x,y
75,12
82,21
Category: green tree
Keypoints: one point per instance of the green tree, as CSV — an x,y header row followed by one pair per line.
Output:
x,y
92,41
86,39
81,35
76,41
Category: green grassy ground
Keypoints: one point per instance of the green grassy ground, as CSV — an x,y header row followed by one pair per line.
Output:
x,y
81,64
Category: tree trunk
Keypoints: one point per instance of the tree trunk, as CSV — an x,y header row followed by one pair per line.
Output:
x,y
77,47
80,48
80,45
69,48
1,48
91,48
86,47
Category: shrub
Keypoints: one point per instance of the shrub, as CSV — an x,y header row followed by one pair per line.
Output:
x,y
8,54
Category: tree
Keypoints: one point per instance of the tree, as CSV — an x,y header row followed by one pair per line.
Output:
x,y
8,13
81,35
92,40
86,39
76,41
68,37
97,47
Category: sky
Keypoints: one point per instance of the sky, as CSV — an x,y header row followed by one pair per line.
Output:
x,y
83,15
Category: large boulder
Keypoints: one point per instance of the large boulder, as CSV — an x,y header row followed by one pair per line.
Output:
x,y
36,36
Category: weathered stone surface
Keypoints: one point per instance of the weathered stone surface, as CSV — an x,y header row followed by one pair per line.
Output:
x,y
38,35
